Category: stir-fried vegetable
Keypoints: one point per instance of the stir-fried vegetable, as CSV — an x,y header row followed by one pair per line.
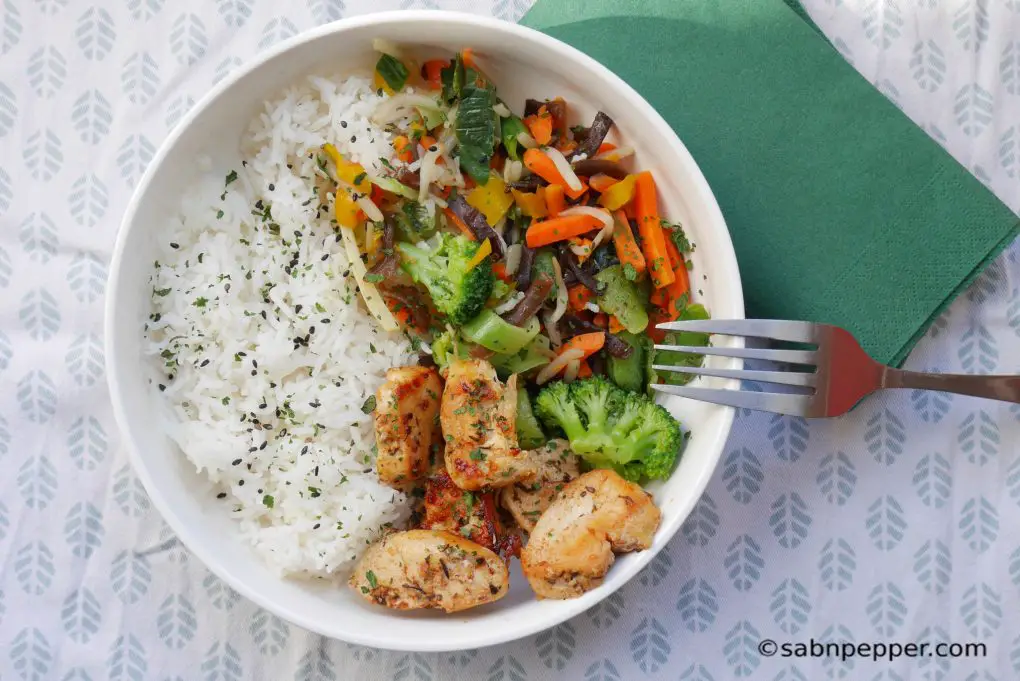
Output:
x,y
509,234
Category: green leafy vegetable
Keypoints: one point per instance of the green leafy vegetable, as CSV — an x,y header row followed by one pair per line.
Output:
x,y
369,406
476,127
392,71
452,78
512,127
370,576
676,233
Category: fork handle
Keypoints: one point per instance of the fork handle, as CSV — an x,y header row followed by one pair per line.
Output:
x,y
1005,388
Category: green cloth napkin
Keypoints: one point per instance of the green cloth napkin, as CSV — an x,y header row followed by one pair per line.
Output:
x,y
841,209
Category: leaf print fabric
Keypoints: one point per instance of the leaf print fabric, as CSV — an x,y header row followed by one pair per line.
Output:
x,y
900,521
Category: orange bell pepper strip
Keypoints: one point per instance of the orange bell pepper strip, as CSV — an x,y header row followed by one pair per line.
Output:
x,y
554,200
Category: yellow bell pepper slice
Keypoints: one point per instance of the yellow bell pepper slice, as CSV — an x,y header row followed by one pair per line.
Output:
x,y
379,83
348,172
345,209
531,204
620,194
492,199
483,251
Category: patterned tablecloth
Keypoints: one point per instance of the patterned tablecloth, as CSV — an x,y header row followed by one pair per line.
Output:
x,y
896,523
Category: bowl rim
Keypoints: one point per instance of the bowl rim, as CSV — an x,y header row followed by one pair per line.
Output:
x,y
486,636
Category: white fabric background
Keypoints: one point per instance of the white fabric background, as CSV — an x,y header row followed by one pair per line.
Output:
x,y
898,522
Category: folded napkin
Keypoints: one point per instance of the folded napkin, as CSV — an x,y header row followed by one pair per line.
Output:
x,y
841,209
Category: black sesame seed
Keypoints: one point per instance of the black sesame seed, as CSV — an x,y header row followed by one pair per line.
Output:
x,y
354,138
255,363
174,245
316,526
254,372
343,124
240,483
162,387
324,320
263,445
325,257
272,187
235,462
311,330
304,450
297,308
204,363
221,495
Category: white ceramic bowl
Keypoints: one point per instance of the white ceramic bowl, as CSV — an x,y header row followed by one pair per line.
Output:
x,y
523,63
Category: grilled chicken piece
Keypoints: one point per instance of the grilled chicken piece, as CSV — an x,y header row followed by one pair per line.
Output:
x,y
479,418
555,466
405,419
572,545
429,569
469,514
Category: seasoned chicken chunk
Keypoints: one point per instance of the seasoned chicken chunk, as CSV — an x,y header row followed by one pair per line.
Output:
x,y
429,569
479,418
572,545
405,419
469,514
555,466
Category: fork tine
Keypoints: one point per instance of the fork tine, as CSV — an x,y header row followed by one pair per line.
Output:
x,y
795,332
794,405
787,356
779,377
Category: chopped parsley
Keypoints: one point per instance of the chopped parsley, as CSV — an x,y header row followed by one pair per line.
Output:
x,y
370,576
268,501
162,292
314,492
200,302
630,272
369,406
477,455
231,176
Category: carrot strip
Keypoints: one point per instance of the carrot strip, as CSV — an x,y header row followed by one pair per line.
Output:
x,y
499,269
453,218
584,371
615,325
626,246
402,145
676,258
540,125
557,229
467,55
538,162
588,343
432,72
653,241
554,200
658,297
604,147
601,183
578,296
566,146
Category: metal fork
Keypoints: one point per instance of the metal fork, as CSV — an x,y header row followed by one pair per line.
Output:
x,y
839,373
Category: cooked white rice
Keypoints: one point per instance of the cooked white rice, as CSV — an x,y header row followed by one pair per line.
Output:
x,y
269,398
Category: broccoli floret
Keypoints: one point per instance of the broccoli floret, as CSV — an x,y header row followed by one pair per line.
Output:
x,y
456,291
612,428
